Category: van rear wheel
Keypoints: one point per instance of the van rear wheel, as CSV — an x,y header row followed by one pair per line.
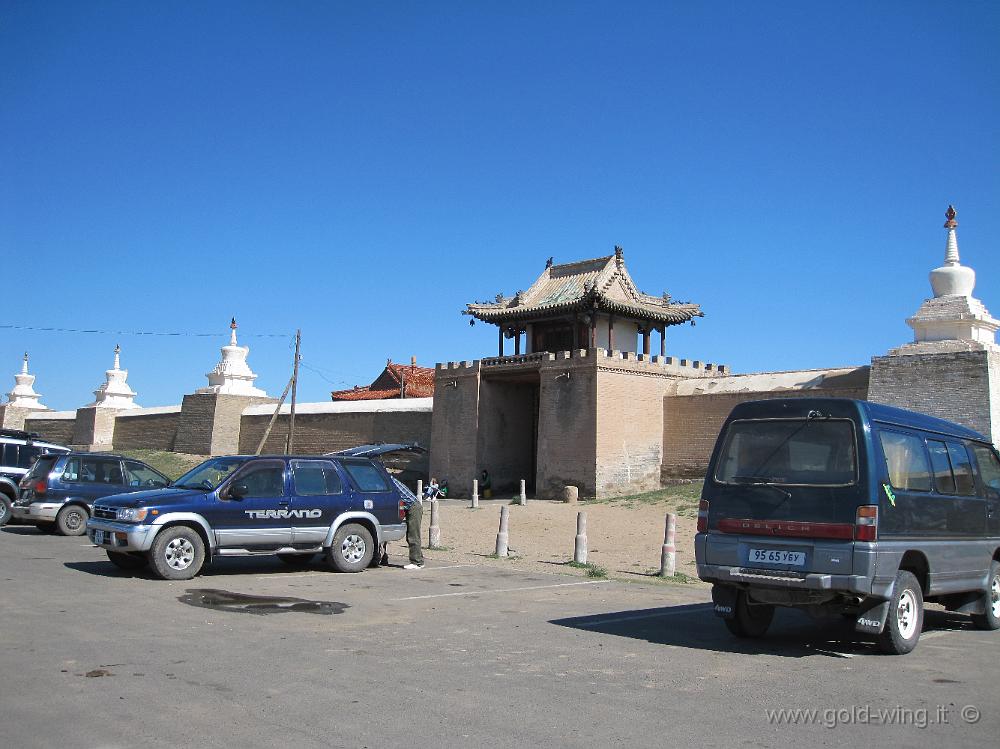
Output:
x,y
990,619
750,619
906,616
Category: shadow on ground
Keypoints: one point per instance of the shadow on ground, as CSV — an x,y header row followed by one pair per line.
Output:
x,y
792,635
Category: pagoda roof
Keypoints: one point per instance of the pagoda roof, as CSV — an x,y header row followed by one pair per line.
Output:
x,y
602,284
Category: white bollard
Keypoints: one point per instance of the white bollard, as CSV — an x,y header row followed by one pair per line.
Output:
x,y
502,535
668,556
475,494
523,498
434,534
420,491
580,548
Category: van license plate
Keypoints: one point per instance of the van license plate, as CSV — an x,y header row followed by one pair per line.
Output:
x,y
777,556
98,537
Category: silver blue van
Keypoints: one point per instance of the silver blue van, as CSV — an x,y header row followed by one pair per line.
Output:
x,y
839,506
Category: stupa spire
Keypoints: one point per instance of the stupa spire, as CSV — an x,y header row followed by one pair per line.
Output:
x,y
23,395
115,392
952,278
232,375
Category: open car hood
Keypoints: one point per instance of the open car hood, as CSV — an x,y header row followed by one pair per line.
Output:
x,y
380,448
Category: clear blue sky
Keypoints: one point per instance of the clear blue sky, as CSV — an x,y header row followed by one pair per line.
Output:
x,y
362,170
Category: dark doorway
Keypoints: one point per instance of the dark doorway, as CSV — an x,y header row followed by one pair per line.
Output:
x,y
508,430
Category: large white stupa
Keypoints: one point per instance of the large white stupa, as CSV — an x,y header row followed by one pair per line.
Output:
x,y
115,392
23,395
232,375
952,319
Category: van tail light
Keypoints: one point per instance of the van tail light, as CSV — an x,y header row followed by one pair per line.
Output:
x,y
703,516
41,487
402,510
866,523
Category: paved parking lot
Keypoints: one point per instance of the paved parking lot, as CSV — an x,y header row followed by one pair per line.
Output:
x,y
453,655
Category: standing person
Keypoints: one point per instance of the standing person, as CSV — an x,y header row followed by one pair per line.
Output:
x,y
486,484
414,511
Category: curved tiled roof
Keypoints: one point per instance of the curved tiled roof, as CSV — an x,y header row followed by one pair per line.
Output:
x,y
601,284
419,384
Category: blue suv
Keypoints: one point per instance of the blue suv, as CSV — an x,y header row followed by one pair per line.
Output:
x,y
57,495
294,507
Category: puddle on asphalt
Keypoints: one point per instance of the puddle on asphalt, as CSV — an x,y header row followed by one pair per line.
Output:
x,y
222,600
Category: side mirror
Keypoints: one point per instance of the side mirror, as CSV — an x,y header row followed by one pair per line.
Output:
x,y
239,491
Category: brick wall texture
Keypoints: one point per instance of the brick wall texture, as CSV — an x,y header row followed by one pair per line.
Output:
x,y
146,431
59,431
691,423
316,434
958,386
455,426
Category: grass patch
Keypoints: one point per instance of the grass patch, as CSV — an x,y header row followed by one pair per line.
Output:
x,y
494,555
173,465
439,548
678,577
681,499
592,569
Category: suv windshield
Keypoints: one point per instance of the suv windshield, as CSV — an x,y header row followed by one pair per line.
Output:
x,y
209,474
805,452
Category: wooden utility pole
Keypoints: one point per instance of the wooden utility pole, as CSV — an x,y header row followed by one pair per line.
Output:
x,y
274,417
290,441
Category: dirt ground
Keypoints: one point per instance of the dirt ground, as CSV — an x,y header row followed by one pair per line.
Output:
x,y
624,537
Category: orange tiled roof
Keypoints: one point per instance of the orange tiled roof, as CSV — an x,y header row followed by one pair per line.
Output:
x,y
419,384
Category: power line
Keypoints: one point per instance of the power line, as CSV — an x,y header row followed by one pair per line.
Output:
x,y
38,329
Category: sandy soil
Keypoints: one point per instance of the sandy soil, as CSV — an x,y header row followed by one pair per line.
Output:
x,y
624,537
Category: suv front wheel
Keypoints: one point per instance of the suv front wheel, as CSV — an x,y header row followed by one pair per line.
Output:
x,y
352,548
4,510
177,553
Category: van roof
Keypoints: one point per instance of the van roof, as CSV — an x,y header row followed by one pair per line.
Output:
x,y
843,407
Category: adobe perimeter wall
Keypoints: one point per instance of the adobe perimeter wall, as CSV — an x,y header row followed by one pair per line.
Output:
x,y
147,429
336,425
53,426
694,413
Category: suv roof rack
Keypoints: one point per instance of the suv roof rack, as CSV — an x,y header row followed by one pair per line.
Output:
x,y
19,434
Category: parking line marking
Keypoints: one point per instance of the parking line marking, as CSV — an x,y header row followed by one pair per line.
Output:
x,y
634,617
501,590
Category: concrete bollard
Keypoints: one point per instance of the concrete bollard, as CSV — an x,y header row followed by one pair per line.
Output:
x,y
475,493
523,497
580,548
434,533
571,494
420,491
502,535
668,556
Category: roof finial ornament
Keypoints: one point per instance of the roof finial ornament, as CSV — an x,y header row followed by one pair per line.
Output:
x,y
118,351
619,253
232,336
548,263
24,367
950,214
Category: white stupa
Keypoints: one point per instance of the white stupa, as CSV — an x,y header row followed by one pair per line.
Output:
x,y
953,319
23,395
232,375
115,392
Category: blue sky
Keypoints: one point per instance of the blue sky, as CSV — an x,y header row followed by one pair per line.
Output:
x,y
362,170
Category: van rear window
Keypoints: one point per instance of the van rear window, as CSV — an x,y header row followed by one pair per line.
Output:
x,y
807,452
